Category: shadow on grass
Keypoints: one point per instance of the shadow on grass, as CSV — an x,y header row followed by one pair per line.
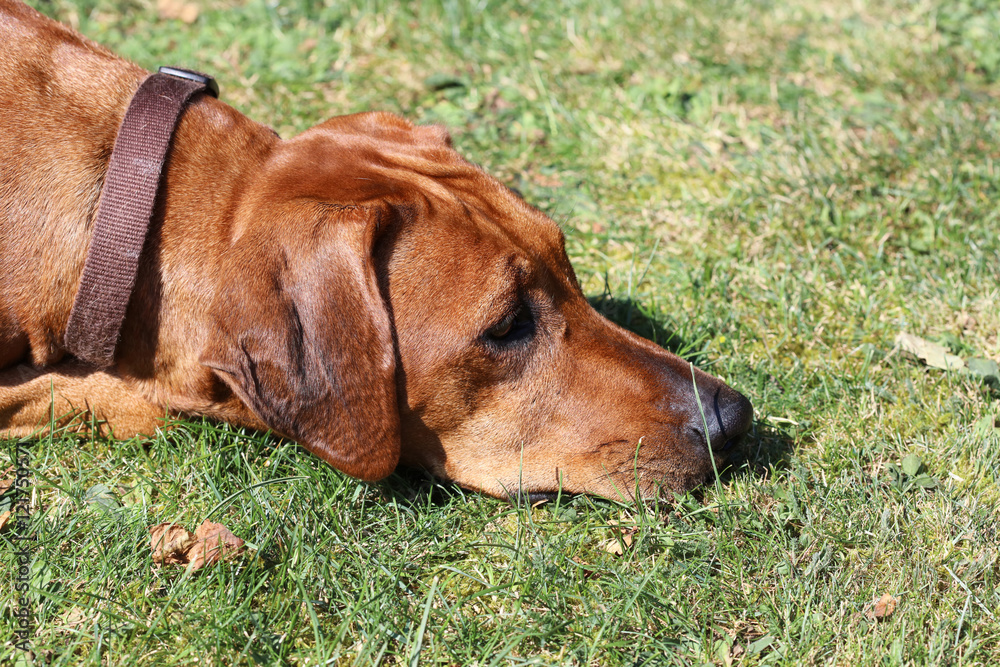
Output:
x,y
414,487
631,315
763,450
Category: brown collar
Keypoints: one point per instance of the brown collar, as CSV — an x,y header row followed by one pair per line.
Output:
x,y
125,209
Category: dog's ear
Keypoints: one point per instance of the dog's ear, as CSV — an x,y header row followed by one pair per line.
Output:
x,y
303,337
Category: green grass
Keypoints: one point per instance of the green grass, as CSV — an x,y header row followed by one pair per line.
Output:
x,y
775,188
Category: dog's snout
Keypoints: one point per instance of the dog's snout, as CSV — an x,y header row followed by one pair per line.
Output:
x,y
728,415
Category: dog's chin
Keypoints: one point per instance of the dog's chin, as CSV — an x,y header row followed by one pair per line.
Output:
x,y
657,478
678,482
623,490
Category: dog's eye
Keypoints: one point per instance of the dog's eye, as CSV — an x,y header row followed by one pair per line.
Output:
x,y
512,326
502,328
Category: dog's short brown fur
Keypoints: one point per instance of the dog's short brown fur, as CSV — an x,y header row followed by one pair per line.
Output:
x,y
359,288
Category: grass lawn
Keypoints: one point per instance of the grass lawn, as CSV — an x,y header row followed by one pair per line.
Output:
x,y
773,188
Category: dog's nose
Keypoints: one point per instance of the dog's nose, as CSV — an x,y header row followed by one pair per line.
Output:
x,y
728,414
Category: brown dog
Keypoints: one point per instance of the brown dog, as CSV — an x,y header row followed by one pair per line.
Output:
x,y
360,288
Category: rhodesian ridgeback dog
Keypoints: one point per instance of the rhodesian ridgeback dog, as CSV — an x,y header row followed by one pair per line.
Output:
x,y
360,289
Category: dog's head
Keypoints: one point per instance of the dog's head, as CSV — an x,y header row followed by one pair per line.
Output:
x,y
386,301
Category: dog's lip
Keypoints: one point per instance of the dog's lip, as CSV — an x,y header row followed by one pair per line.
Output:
x,y
532,497
729,444
537,497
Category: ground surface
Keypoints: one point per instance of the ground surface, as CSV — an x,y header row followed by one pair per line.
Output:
x,y
775,189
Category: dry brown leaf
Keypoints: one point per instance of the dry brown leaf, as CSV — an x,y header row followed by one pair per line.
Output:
x,y
7,482
494,101
932,354
4,520
619,546
546,180
614,547
169,543
177,9
213,543
189,13
585,567
883,608
210,543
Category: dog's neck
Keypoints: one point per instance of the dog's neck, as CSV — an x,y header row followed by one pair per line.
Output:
x,y
191,226
54,193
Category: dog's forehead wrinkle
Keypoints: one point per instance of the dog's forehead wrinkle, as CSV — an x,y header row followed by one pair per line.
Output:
x,y
445,186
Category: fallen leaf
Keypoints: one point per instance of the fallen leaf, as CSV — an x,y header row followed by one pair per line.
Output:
x,y
177,9
932,354
169,543
618,546
210,543
4,520
189,13
7,482
214,542
883,608
585,567
546,180
494,101
614,547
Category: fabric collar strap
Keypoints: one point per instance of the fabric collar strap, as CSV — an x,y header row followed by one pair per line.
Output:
x,y
125,210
